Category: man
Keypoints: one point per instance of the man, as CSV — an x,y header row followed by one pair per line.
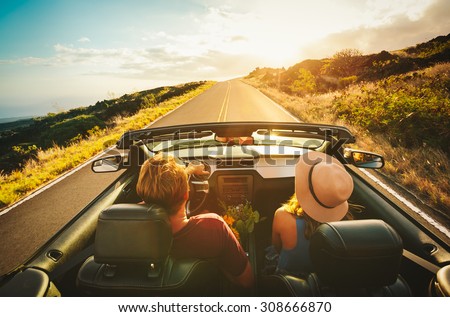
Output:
x,y
163,181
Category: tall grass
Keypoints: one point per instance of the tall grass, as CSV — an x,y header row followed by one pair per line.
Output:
x,y
51,163
405,118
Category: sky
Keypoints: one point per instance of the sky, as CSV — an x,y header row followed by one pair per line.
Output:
x,y
60,54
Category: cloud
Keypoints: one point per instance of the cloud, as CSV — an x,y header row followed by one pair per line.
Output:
x,y
238,38
222,46
66,55
402,31
156,63
84,40
27,61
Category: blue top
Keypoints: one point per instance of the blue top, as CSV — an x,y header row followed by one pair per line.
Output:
x,y
297,260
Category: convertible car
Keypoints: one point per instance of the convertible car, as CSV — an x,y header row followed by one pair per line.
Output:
x,y
117,246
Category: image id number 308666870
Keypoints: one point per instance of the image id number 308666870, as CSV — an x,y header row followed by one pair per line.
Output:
x,y
296,307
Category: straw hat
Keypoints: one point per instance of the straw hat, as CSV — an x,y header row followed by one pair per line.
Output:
x,y
322,186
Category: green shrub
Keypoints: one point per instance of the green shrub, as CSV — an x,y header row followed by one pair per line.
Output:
x,y
70,130
412,110
304,84
347,81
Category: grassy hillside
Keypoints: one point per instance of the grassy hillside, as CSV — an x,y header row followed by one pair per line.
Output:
x,y
22,140
87,131
350,66
397,104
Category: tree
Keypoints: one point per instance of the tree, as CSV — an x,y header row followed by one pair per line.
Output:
x,y
304,84
149,101
343,63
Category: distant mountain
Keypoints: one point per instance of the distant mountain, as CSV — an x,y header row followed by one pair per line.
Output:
x,y
14,119
7,124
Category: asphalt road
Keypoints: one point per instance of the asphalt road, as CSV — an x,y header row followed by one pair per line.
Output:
x,y
227,101
28,225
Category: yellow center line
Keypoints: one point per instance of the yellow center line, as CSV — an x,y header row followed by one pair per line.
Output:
x,y
225,103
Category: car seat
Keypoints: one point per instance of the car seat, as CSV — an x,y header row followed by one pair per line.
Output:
x,y
132,258
350,258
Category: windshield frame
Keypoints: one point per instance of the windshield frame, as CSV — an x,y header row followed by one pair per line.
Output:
x,y
210,131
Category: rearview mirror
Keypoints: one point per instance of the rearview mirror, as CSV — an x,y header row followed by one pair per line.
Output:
x,y
107,164
241,140
363,159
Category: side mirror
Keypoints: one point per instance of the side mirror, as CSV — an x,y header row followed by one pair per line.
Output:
x,y
363,159
107,164
441,282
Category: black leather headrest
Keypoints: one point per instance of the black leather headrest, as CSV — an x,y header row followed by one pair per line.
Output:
x,y
131,233
356,253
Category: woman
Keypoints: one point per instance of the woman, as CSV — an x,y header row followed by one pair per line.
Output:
x,y
322,188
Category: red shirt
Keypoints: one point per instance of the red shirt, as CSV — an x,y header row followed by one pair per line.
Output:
x,y
207,236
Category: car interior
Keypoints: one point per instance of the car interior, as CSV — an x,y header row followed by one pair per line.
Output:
x,y
118,247
378,270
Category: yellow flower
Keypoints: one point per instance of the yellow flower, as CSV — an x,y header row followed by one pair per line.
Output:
x,y
236,233
229,220
241,219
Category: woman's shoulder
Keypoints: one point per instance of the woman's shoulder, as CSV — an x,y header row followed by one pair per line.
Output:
x,y
283,213
280,210
283,218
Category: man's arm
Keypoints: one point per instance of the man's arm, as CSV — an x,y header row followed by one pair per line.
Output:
x,y
246,279
196,168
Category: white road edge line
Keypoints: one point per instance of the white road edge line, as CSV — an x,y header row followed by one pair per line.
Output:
x,y
422,214
277,105
53,182
283,109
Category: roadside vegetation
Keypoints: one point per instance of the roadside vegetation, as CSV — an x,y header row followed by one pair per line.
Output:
x,y
398,105
66,140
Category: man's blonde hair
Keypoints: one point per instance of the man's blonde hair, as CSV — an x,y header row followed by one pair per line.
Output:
x,y
163,181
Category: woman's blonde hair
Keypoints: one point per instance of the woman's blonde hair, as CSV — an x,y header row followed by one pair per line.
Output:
x,y
292,206
163,181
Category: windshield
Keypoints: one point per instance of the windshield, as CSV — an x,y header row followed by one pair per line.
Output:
x,y
258,138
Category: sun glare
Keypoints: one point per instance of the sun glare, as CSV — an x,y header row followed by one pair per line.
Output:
x,y
280,56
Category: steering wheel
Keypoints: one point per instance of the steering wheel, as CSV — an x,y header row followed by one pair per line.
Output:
x,y
198,190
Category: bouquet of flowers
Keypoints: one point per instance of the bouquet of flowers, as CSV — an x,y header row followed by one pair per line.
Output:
x,y
241,219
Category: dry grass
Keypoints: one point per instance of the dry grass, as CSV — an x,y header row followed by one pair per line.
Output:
x,y
424,171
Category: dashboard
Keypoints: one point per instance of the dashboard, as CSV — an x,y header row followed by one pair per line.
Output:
x,y
261,175
236,180
235,189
